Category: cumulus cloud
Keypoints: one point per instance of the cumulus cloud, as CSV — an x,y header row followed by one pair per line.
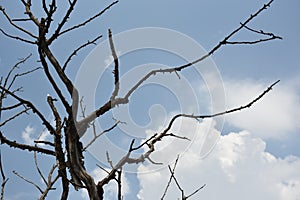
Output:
x,y
237,168
274,116
29,136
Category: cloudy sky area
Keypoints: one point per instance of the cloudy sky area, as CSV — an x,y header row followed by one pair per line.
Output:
x,y
257,154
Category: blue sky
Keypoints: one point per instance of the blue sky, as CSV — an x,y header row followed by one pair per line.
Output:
x,y
264,139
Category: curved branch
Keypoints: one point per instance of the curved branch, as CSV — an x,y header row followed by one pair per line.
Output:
x,y
79,48
212,51
17,37
87,21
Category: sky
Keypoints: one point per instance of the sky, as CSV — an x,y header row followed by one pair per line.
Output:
x,y
253,154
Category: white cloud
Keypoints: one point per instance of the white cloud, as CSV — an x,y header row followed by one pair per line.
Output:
x,y
276,115
237,168
27,135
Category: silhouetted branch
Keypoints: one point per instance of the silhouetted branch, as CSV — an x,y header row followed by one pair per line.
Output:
x,y
28,181
196,191
78,49
4,179
116,62
99,135
14,25
14,144
38,168
158,137
172,176
16,37
14,116
89,20
212,51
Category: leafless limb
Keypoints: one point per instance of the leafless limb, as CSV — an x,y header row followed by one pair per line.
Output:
x,y
158,137
99,135
172,176
14,25
14,144
22,74
28,181
16,37
14,116
4,179
11,107
22,61
118,101
50,182
38,168
212,51
196,191
116,62
271,36
109,160
53,82
102,168
177,136
88,20
20,19
170,179
78,49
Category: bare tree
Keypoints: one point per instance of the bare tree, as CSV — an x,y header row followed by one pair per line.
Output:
x,y
66,147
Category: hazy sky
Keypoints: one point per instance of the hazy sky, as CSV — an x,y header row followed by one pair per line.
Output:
x,y
257,151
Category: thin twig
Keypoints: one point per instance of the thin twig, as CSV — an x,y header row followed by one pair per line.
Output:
x,y
38,168
170,179
16,37
4,179
78,49
14,116
14,25
88,20
28,181
99,135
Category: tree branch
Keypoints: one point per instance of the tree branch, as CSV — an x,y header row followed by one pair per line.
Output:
x,y
28,181
14,144
16,37
4,179
16,26
78,49
87,21
116,62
